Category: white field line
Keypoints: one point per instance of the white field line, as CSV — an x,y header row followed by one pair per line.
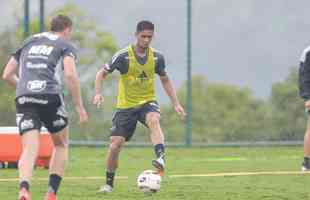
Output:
x,y
240,174
177,175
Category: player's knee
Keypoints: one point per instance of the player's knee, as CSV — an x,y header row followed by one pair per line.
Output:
x,y
116,145
63,143
307,134
61,140
308,129
153,121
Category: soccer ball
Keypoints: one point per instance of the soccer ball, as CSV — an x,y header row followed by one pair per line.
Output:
x,y
149,181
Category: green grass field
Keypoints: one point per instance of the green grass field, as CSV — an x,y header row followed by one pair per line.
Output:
x,y
87,165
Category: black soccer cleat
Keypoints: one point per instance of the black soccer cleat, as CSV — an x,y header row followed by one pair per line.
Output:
x,y
306,164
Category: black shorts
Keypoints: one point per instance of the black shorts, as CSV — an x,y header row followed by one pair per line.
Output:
x,y
33,111
125,120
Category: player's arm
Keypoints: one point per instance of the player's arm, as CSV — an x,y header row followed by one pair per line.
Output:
x,y
10,70
160,69
117,62
73,84
9,73
171,92
100,76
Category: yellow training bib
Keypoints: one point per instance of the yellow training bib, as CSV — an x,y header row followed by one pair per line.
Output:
x,y
137,86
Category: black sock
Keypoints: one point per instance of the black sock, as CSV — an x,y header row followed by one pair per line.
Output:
x,y
54,182
307,161
24,184
110,178
159,150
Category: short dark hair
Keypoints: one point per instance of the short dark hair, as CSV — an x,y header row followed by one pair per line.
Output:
x,y
60,22
145,25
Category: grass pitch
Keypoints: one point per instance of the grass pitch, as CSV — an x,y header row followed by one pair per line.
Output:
x,y
265,173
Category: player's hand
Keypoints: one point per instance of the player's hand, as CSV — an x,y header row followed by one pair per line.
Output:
x,y
83,114
179,109
98,100
307,105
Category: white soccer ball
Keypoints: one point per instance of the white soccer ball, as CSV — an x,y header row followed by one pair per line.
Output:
x,y
149,181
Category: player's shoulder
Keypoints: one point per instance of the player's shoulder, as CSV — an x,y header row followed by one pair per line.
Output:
x,y
157,54
29,40
47,35
65,44
57,40
304,54
121,54
44,37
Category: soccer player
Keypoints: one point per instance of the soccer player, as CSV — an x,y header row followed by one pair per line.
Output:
x,y
304,91
35,71
136,100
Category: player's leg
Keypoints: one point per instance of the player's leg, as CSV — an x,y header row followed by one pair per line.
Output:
x,y
150,115
157,138
124,125
113,152
58,161
112,161
306,163
54,117
29,125
30,143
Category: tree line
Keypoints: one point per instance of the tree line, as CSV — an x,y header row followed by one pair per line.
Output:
x,y
221,112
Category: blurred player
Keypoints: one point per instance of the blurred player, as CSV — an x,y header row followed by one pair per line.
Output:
x,y
136,100
304,90
35,71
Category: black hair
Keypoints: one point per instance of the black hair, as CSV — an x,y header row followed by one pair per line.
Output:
x,y
145,25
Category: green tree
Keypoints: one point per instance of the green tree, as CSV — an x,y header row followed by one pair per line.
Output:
x,y
221,112
7,94
288,109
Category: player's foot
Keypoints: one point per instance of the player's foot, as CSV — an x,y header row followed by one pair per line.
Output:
x,y
306,164
24,194
159,164
50,196
106,189
305,167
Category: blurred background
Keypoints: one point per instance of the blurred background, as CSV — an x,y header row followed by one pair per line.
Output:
x,y
234,64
